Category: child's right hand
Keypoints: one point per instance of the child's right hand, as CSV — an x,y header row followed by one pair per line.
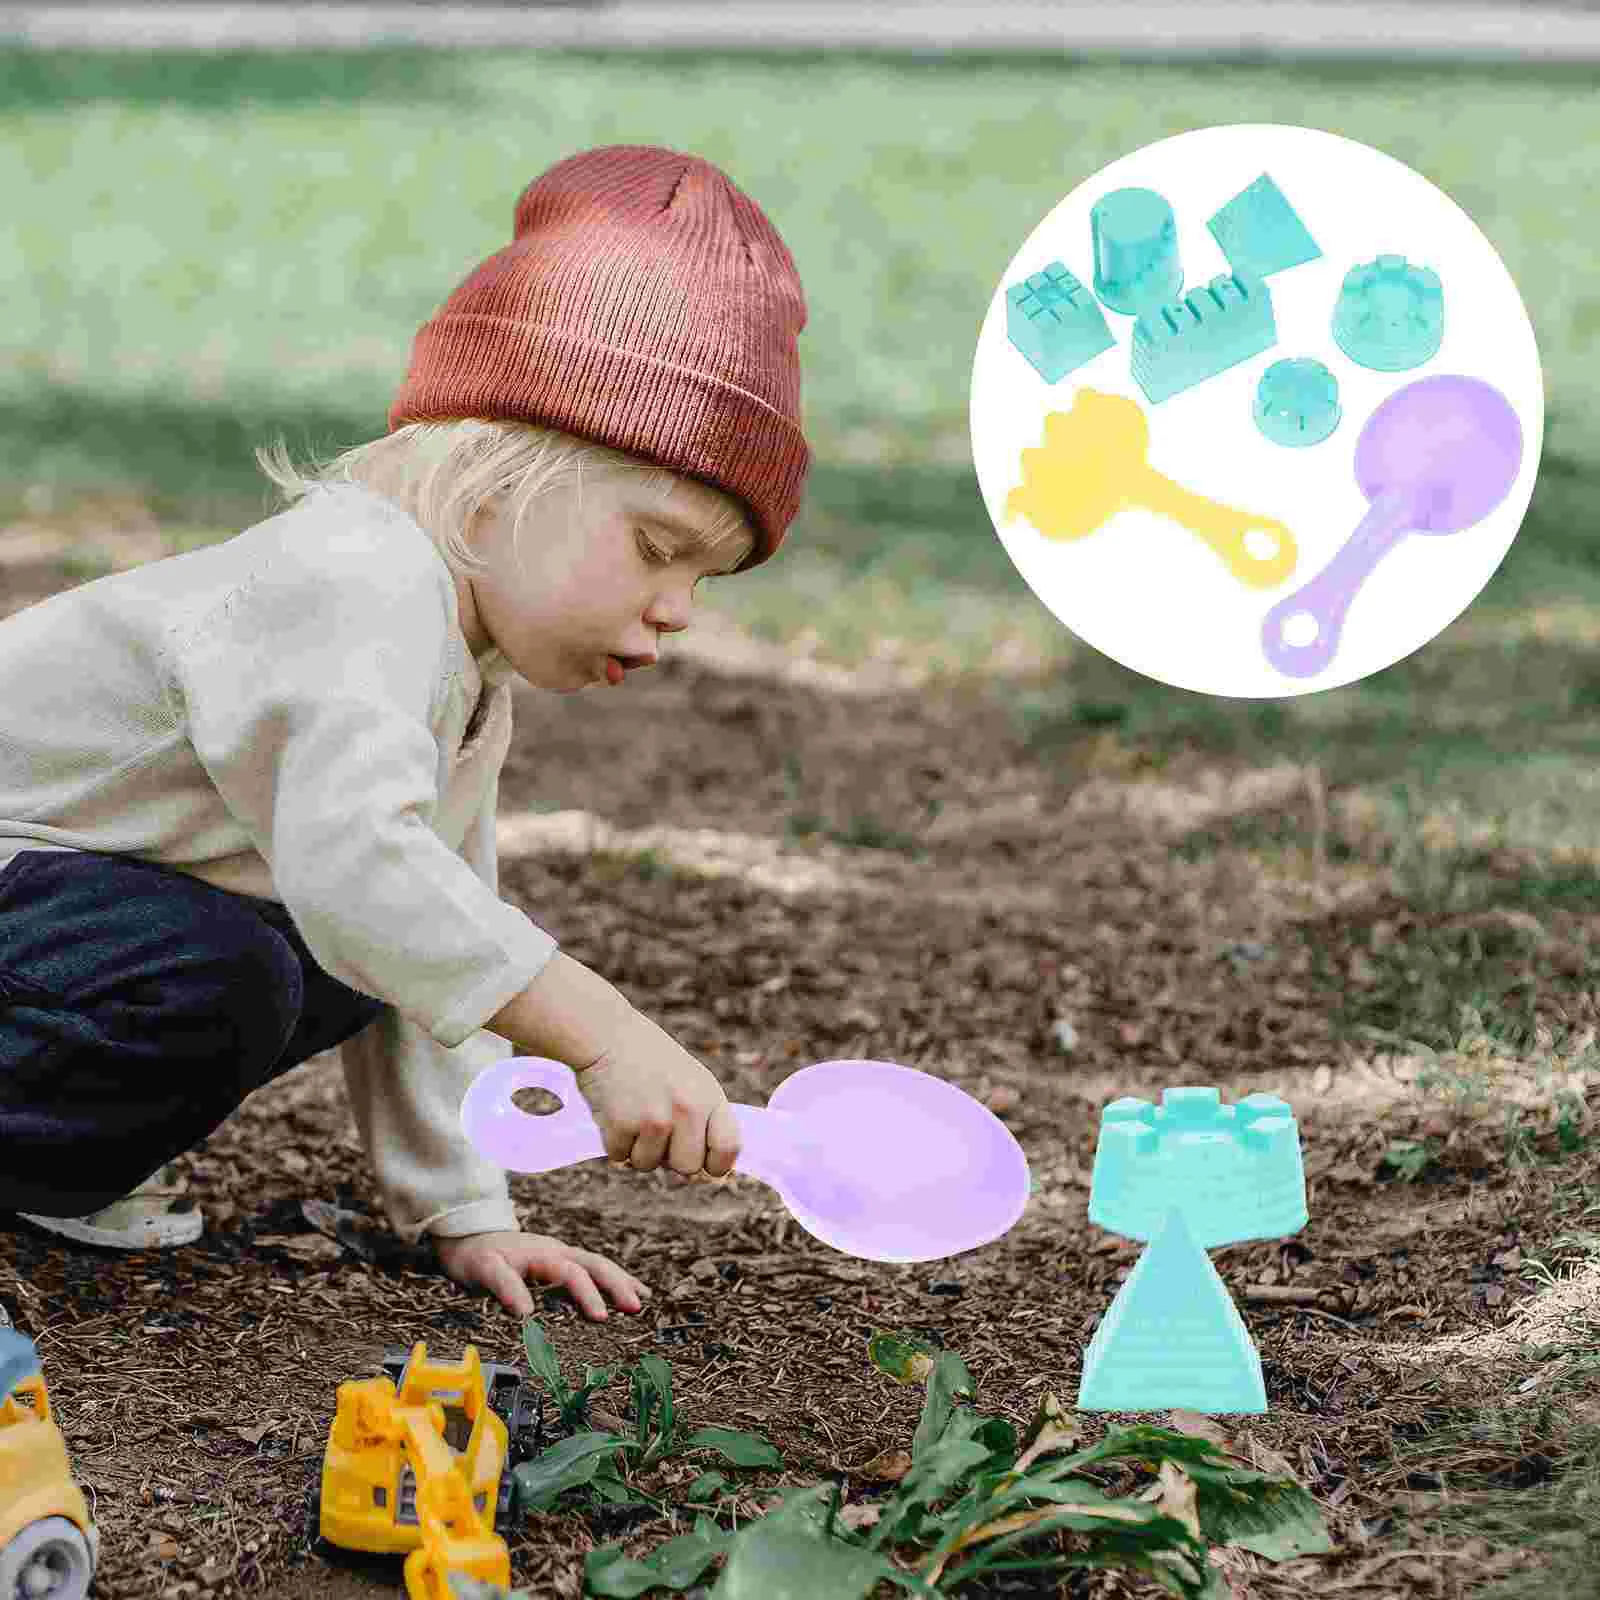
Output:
x,y
650,1097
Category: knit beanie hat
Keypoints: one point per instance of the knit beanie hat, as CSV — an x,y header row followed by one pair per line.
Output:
x,y
645,303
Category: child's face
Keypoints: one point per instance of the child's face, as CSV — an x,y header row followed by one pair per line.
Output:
x,y
602,573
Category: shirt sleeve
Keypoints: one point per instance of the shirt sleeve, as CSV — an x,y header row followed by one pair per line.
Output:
x,y
405,1092
308,693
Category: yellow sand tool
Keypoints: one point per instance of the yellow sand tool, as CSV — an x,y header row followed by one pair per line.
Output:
x,y
1092,465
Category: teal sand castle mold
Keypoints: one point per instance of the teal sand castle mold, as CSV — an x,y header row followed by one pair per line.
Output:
x,y
1390,315
1135,240
1297,402
1260,233
1210,329
1054,321
1172,1337
1236,1170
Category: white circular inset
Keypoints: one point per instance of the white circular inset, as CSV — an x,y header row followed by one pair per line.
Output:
x,y
1132,579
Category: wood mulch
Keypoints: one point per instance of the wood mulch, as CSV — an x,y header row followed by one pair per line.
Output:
x,y
1044,940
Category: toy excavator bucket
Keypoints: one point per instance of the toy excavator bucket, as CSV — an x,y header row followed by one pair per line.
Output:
x,y
428,1571
424,1380
456,1537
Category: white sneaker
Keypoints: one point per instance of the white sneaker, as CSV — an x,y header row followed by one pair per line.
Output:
x,y
146,1219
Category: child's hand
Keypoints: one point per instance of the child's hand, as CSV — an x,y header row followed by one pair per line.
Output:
x,y
499,1262
647,1091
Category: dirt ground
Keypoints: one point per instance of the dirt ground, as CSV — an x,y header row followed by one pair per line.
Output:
x,y
1035,930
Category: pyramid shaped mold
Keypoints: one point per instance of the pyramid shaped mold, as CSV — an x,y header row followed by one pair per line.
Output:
x,y
1172,1337
1260,233
1234,1169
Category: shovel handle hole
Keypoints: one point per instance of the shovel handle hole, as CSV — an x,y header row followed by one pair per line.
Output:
x,y
536,1102
1261,544
1300,629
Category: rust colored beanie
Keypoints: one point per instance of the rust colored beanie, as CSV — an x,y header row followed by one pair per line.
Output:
x,y
645,303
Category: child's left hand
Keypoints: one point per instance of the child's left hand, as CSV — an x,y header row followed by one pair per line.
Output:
x,y
499,1262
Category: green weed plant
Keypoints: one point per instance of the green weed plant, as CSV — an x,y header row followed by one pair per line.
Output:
x,y
974,1495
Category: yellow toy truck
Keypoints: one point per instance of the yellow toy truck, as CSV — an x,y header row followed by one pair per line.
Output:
x,y
414,1463
48,1546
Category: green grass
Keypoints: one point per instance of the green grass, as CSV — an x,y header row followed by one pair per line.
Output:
x,y
247,241
1539,1493
203,251
1524,1473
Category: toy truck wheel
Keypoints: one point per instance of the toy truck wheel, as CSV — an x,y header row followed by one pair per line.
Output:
x,y
48,1560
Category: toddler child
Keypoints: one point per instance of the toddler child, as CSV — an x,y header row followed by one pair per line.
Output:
x,y
247,794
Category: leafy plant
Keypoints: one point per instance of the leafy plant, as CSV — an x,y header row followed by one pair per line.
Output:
x,y
1408,1158
588,1459
545,1365
996,1493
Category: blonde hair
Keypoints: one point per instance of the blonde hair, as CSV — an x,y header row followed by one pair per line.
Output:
x,y
443,473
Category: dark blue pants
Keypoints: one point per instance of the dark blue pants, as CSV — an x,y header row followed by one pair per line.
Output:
x,y
138,1008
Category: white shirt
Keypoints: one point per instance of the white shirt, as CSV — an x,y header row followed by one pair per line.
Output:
x,y
282,715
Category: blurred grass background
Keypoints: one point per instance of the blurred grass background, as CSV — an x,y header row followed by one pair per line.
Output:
x,y
203,250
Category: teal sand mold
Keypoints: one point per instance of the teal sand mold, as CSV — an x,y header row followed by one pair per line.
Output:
x,y
1054,321
1211,329
1135,239
1235,1169
1172,1337
1260,233
1297,402
1390,315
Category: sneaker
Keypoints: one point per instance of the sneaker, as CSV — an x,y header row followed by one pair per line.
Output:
x,y
153,1217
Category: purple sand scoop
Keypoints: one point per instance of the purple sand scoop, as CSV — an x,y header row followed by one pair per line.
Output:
x,y
875,1159
1435,457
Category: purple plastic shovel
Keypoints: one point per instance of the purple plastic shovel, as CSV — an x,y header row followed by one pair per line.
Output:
x,y
1435,457
875,1159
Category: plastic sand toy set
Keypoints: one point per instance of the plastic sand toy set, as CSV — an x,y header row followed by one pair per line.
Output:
x,y
419,1459
1435,457
1188,1176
